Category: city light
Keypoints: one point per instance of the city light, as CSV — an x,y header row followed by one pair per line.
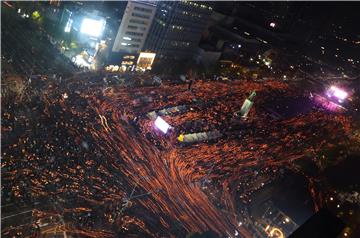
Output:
x,y
92,27
68,25
162,125
145,60
340,94
80,61
276,232
35,15
112,68
189,141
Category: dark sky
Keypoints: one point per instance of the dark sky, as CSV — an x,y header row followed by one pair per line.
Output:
x,y
346,13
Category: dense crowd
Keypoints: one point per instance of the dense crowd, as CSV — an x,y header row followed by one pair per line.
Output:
x,y
82,145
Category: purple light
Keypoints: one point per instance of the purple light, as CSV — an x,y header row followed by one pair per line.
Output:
x,y
339,93
325,103
161,124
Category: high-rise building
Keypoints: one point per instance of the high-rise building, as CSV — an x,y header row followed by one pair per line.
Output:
x,y
134,27
177,28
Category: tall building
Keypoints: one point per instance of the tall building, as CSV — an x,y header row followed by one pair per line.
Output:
x,y
177,28
134,27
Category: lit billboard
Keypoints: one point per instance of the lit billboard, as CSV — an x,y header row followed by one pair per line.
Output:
x,y
92,27
162,125
145,60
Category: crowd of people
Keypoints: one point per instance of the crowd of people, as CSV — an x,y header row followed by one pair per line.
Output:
x,y
82,138
58,146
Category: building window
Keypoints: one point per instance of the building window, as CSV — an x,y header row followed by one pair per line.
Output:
x,y
133,45
162,23
130,33
132,27
134,14
131,39
180,43
136,40
138,21
143,9
129,57
177,27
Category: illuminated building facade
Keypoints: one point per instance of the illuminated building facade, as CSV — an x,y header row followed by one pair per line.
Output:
x,y
134,27
177,28
274,223
145,60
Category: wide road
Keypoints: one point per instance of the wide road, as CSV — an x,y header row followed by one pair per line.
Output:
x,y
81,145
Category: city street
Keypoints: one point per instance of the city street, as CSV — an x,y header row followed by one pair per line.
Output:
x,y
97,148
178,119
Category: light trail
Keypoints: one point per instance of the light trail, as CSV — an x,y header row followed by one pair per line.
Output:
x,y
117,153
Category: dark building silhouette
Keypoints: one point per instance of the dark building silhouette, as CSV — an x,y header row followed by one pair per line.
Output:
x,y
322,224
176,29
